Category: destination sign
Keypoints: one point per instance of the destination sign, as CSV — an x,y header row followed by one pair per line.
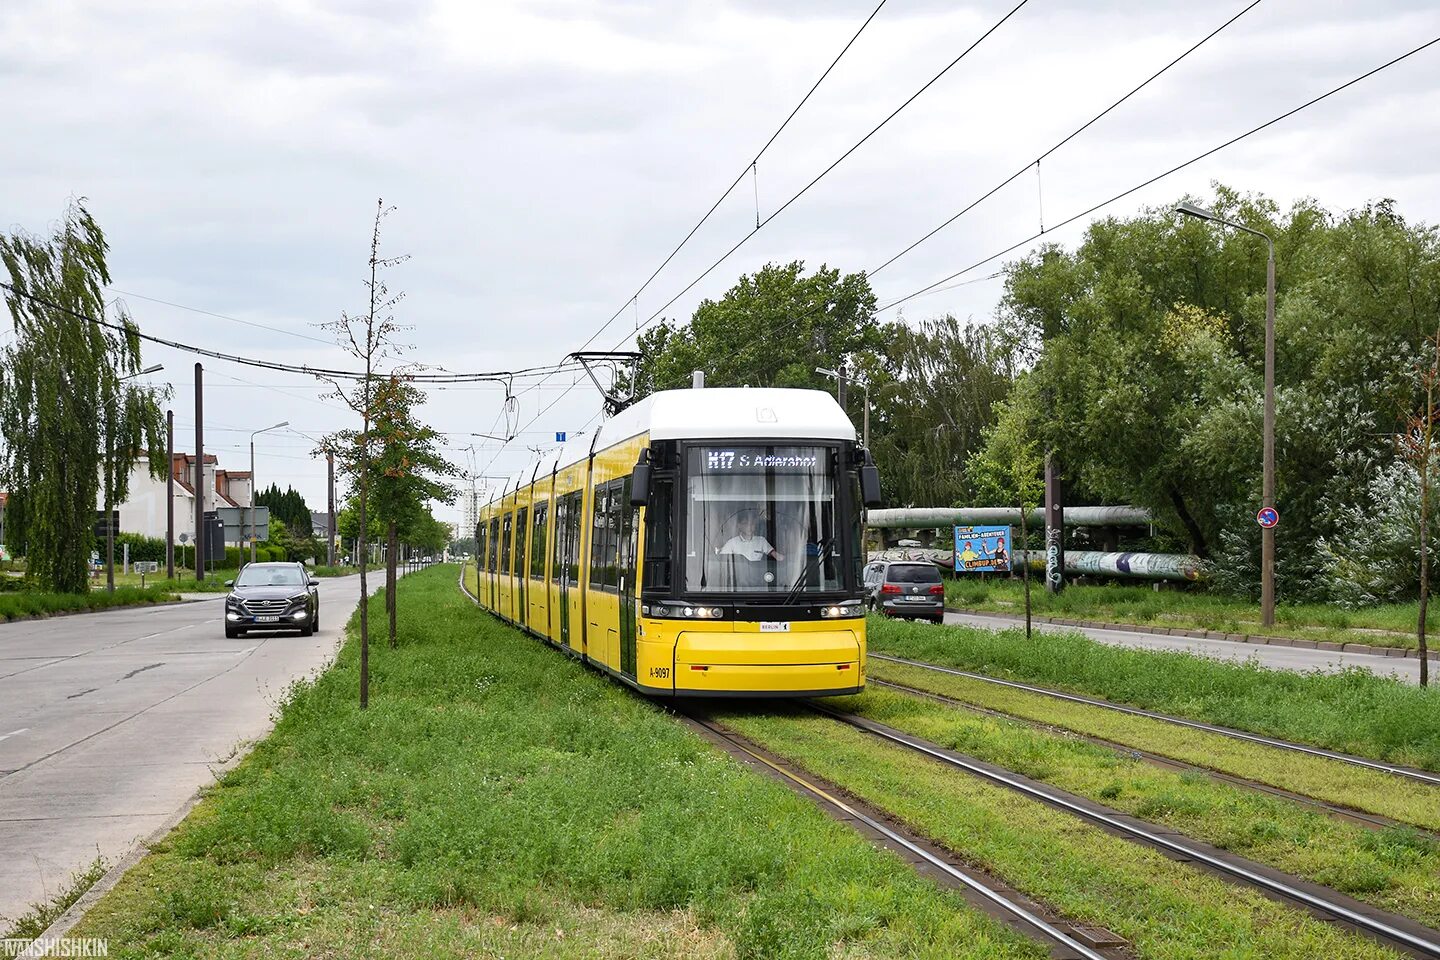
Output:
x,y
722,461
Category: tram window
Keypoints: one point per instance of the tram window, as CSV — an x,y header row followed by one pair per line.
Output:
x,y
505,541
605,539
572,538
521,518
490,560
537,543
481,529
659,535
562,529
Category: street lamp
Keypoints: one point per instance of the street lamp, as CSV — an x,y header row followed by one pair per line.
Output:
x,y
253,488
110,482
838,378
1267,494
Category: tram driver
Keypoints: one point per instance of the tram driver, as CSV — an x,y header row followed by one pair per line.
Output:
x,y
749,544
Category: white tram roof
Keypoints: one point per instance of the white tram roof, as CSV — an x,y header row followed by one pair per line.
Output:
x,y
709,413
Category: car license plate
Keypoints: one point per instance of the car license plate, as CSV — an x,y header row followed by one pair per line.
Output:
x,y
269,618
915,599
774,626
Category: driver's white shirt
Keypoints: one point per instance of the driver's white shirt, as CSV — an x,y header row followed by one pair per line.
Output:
x,y
751,548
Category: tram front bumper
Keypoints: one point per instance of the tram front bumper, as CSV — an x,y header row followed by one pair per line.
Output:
x,y
821,662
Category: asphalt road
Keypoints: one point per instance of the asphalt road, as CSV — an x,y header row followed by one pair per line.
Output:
x,y
1276,658
110,721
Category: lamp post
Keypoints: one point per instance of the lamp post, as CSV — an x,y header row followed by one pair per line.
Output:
x,y
253,488
840,379
1267,494
110,481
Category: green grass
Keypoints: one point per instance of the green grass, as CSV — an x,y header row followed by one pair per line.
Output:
x,y
1353,711
1330,780
38,918
1166,909
1397,869
1194,610
20,604
499,799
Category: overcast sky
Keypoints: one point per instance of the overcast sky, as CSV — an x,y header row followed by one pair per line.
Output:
x,y
545,155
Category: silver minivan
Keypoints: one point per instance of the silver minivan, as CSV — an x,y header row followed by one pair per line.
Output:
x,y
911,589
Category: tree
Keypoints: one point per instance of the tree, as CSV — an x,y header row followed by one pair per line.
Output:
x,y
934,391
404,475
1145,348
370,338
288,507
772,329
63,399
1417,449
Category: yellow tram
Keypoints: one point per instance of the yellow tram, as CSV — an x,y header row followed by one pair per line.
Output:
x,y
701,542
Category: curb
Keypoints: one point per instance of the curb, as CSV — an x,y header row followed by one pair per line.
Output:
x,y
1329,645
128,606
44,944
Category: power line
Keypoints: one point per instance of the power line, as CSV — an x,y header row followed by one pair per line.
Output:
x,y
1175,169
796,196
823,173
749,168
500,376
221,316
1068,137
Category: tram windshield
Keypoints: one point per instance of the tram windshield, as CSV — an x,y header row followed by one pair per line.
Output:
x,y
761,519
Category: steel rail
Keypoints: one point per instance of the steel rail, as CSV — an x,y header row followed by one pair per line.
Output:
x,y
994,897
1338,811
1420,776
1426,946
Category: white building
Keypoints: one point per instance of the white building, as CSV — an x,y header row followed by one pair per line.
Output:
x,y
469,513
143,512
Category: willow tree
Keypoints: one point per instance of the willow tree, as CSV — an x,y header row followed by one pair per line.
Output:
x,y
63,399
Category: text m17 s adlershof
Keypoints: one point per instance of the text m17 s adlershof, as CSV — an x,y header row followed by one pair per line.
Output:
x,y
702,542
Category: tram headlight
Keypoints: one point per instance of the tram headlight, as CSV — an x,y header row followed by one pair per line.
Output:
x,y
850,608
679,611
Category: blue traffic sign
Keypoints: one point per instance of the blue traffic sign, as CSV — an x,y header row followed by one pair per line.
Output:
x,y
1268,517
559,436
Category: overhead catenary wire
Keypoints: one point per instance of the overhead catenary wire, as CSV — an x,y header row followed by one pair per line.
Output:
x,y
221,316
302,369
794,197
1035,164
929,288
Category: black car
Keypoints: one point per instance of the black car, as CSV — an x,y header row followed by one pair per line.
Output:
x,y
911,589
272,596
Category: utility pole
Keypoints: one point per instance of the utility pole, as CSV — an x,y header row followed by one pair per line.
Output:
x,y
200,473
1267,483
170,494
1054,526
840,389
330,523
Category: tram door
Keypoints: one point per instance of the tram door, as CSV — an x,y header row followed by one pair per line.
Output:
x,y
566,524
522,565
493,564
629,525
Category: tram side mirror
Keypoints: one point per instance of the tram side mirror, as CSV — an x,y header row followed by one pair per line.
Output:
x,y
870,485
640,482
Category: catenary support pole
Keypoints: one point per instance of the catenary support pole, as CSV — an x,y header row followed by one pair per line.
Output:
x,y
1054,526
170,494
199,472
1267,495
330,508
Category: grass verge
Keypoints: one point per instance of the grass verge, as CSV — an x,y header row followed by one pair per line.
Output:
x,y
22,604
497,798
1388,625
1353,711
38,918
1329,780
1396,869
336,571
1164,908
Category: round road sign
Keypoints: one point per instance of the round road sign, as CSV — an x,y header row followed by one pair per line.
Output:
x,y
1268,517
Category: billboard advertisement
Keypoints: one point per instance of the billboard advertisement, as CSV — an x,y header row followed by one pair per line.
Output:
x,y
982,549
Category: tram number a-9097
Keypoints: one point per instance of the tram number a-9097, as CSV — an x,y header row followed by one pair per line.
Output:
x,y
660,673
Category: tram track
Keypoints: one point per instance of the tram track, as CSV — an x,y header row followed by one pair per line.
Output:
x,y
1064,939
1373,821
1406,773
1396,932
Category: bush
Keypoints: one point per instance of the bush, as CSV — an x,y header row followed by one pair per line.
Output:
x,y
141,547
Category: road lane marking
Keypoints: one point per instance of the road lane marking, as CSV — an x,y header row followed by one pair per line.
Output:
x,y
13,733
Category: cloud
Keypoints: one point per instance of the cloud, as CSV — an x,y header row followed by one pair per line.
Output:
x,y
546,155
